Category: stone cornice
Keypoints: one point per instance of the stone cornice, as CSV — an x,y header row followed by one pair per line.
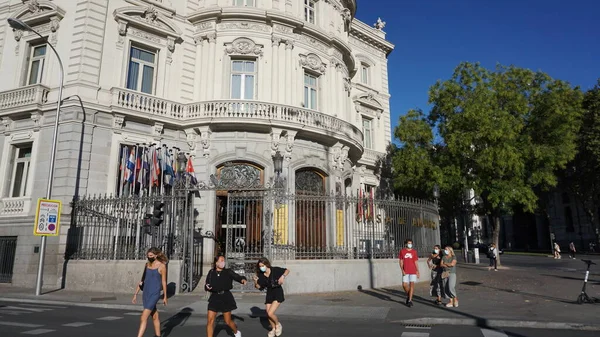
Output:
x,y
370,36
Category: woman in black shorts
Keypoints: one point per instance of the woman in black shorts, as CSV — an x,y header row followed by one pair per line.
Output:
x,y
271,278
219,282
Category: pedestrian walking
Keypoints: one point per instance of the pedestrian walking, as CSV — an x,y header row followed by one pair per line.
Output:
x,y
436,286
219,283
449,275
556,251
493,256
572,250
153,280
271,278
410,270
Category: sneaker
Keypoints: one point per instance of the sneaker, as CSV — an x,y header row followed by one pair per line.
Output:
x,y
495,269
238,334
456,304
278,329
410,304
271,333
449,305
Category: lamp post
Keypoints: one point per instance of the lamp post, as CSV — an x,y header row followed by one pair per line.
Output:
x,y
20,25
278,168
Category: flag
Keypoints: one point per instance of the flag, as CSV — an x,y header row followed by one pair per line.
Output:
x,y
155,172
130,166
169,172
190,170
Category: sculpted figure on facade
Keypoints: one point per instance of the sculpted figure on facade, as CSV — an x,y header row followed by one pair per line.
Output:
x,y
313,62
205,135
244,46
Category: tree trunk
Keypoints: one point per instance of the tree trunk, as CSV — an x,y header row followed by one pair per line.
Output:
x,y
496,236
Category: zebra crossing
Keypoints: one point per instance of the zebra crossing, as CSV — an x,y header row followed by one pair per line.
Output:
x,y
16,315
426,332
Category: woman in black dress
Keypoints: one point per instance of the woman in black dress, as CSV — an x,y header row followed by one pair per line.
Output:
x,y
271,278
219,282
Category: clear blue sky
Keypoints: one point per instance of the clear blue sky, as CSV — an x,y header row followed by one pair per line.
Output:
x,y
431,37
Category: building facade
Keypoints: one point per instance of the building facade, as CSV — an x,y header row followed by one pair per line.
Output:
x,y
228,82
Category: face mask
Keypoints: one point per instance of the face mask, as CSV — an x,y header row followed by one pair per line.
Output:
x,y
436,251
221,264
151,259
447,252
263,269
409,245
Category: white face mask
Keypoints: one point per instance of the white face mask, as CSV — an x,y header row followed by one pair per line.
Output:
x,y
409,245
221,264
447,252
436,251
263,269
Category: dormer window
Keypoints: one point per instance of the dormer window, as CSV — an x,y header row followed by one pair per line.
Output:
x,y
309,10
244,3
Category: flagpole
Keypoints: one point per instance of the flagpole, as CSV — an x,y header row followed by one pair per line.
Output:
x,y
121,182
137,145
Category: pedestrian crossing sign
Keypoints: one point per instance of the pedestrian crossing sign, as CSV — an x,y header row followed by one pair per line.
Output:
x,y
47,218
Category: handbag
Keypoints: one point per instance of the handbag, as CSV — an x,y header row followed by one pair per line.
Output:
x,y
141,285
445,274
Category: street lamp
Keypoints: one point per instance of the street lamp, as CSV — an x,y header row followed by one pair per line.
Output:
x,y
278,162
181,162
20,25
436,192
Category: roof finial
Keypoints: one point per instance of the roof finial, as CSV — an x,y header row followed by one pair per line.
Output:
x,y
379,24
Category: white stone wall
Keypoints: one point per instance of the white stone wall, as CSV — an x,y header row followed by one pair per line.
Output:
x,y
195,41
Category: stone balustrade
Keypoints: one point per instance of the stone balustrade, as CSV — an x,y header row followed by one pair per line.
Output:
x,y
236,111
15,206
22,97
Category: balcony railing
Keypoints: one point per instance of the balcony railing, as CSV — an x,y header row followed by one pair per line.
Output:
x,y
372,155
20,97
15,206
235,111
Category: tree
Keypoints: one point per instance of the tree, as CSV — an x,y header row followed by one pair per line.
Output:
x,y
506,132
582,176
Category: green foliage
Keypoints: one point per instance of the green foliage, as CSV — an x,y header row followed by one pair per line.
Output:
x,y
506,131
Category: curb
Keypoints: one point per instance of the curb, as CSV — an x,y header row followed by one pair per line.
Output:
x,y
495,323
75,304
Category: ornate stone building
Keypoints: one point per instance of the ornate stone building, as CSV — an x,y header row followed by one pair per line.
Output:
x,y
229,82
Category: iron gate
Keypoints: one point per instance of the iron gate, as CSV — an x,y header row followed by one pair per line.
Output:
x,y
247,234
8,248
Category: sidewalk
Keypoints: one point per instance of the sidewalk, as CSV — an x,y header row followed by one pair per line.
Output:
x,y
507,298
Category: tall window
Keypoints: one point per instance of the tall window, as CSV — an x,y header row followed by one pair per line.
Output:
x,y
37,59
367,128
364,73
21,162
243,76
309,10
247,3
310,91
142,70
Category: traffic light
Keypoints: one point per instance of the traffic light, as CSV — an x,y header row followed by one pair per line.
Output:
x,y
146,223
157,213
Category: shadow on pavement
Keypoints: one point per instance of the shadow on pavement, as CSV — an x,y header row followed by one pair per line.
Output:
x,y
580,279
178,319
220,324
481,322
380,296
261,314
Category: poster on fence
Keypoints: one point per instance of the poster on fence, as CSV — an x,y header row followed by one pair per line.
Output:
x,y
340,227
281,225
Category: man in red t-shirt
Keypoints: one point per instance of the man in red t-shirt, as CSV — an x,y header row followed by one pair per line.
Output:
x,y
410,270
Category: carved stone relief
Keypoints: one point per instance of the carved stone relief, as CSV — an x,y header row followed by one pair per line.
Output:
x,y
157,130
289,146
36,117
275,140
205,139
244,46
191,136
7,122
118,123
313,62
257,27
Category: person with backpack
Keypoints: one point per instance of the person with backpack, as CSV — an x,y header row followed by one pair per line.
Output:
x,y
154,279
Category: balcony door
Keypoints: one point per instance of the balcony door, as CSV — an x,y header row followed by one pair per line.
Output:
x,y
310,214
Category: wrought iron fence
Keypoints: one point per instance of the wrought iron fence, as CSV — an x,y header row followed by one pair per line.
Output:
x,y
283,225
8,247
113,228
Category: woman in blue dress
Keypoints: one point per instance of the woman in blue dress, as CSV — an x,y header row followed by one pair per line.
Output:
x,y
155,280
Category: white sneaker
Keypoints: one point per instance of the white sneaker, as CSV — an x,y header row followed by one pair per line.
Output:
x,y
238,334
278,329
271,333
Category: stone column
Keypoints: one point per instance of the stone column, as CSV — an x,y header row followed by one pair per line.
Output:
x,y
281,76
198,71
331,78
289,73
212,41
204,70
275,68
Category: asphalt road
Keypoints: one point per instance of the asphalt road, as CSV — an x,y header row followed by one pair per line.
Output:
x,y
18,319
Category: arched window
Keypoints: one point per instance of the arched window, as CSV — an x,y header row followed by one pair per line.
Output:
x,y
311,219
